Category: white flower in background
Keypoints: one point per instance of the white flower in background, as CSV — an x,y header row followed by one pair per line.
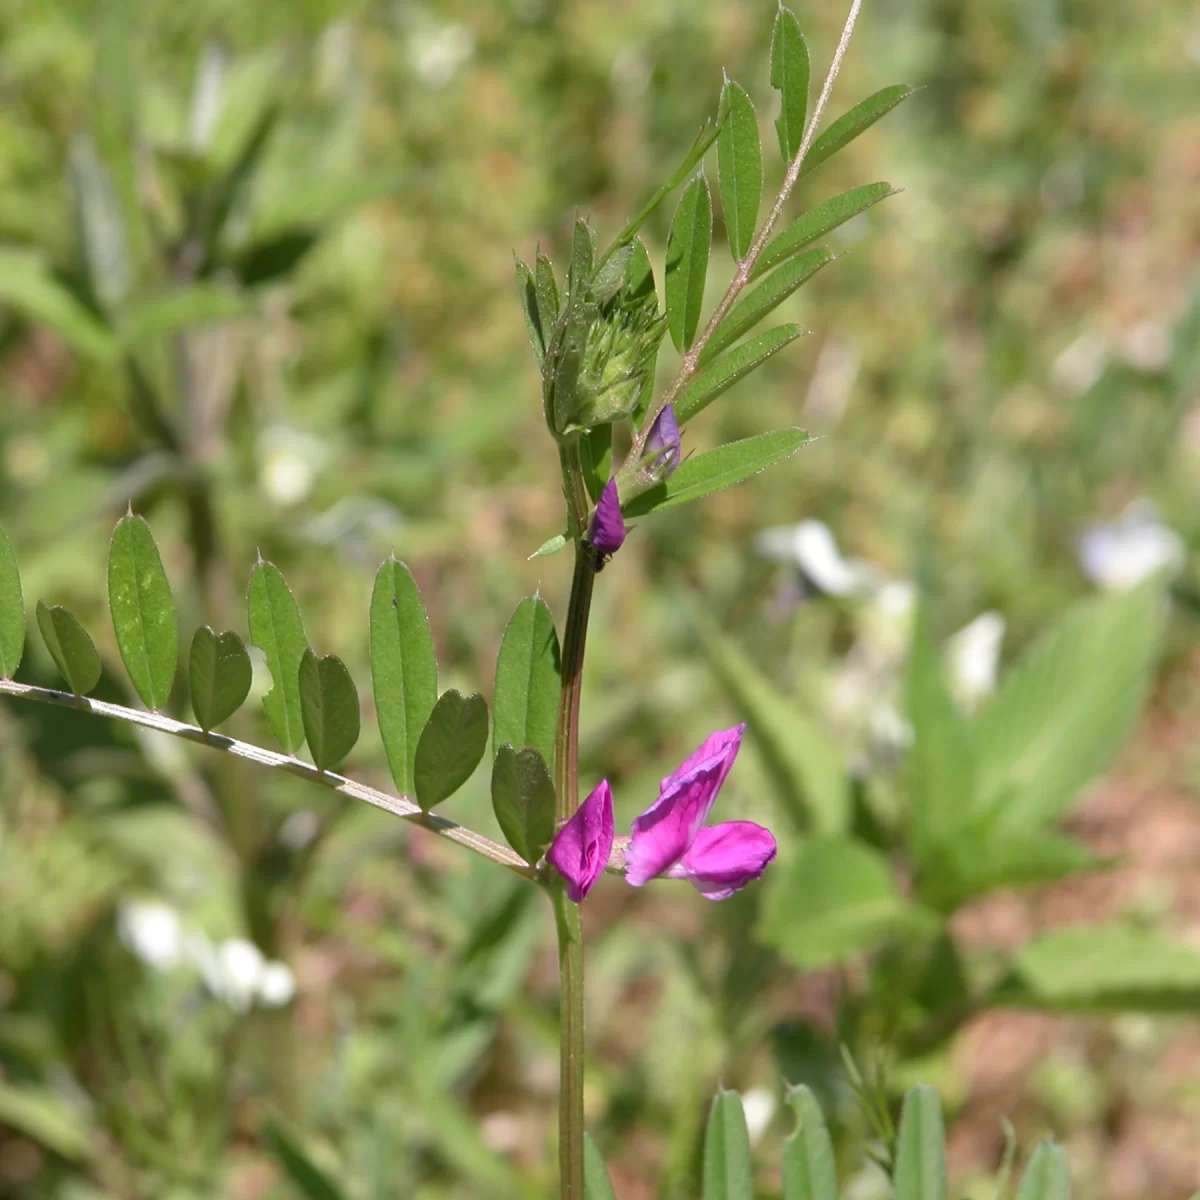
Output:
x,y
759,1106
240,966
811,546
974,658
1121,554
276,985
288,464
151,931
438,51
1080,365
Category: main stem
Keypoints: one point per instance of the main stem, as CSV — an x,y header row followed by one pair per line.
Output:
x,y
566,785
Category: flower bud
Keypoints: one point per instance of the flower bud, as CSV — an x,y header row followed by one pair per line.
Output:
x,y
662,452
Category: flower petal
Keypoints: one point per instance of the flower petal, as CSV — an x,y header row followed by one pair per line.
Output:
x,y
580,850
724,858
607,530
663,833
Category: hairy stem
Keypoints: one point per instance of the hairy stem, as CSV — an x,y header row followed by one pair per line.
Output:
x,y
398,806
745,268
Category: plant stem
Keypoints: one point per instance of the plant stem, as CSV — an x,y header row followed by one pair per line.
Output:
x,y
398,806
566,786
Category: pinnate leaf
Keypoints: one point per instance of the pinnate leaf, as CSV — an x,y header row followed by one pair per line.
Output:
x,y
143,612
219,676
688,246
523,800
528,685
850,124
920,1171
451,745
70,647
809,1169
727,1171
277,629
328,708
12,611
789,75
732,367
739,168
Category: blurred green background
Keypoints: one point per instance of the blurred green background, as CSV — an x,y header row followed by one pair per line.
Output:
x,y
256,278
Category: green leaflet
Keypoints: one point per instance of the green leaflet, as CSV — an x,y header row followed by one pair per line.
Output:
x,y
727,1171
523,800
717,469
596,1184
328,708
12,611
550,546
764,299
732,367
789,76
818,222
451,745
546,293
219,676
920,1168
809,1170
527,293
688,246
70,647
403,667
143,612
1047,1176
595,454
850,124
526,694
277,629
739,169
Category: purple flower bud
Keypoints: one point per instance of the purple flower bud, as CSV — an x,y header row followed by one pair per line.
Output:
x,y
724,858
580,850
607,530
662,452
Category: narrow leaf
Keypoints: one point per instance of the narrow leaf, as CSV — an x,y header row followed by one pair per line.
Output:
x,y
764,299
27,286
70,647
143,612
523,800
717,469
789,76
596,1184
527,291
277,629
328,708
527,689
809,1170
185,308
849,125
739,169
403,667
1047,1177
806,229
727,1173
12,611
610,273
732,367
595,454
309,1180
550,546
920,1172
688,246
451,745
546,291
583,254
219,676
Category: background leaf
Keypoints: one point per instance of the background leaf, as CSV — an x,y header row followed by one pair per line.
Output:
x,y
731,367
183,308
727,1172
809,1168
596,1184
920,1171
528,685
1047,1176
12,611
850,124
451,745
27,286
688,246
70,647
523,800
307,1177
143,611
403,667
277,629
739,168
789,76
328,707
219,676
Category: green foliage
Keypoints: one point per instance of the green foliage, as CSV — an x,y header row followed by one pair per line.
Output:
x,y
688,246
277,629
809,1167
739,169
596,1183
328,708
526,693
789,76
219,676
1046,1176
850,124
70,647
143,612
309,1180
12,611
920,1171
727,1173
523,800
732,367
403,667
450,747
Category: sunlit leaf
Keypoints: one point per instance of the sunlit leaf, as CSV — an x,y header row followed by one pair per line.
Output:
x,y
527,689
809,1168
70,647
688,247
219,676
523,800
920,1169
546,292
403,667
49,1117
12,611
27,286
143,611
328,708
596,1184
184,308
527,293
1047,1176
717,469
732,367
550,546
595,456
850,124
739,169
277,629
727,1171
789,76
583,255
451,745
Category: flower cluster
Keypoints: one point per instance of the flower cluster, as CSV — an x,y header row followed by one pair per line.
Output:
x,y
670,838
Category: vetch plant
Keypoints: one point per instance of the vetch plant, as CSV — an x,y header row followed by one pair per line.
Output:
x,y
596,333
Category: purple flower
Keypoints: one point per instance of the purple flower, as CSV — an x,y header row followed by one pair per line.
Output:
x,y
580,850
662,451
669,838
607,530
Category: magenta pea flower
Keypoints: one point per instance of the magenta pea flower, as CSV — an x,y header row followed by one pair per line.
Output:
x,y
607,530
669,838
663,449
581,848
